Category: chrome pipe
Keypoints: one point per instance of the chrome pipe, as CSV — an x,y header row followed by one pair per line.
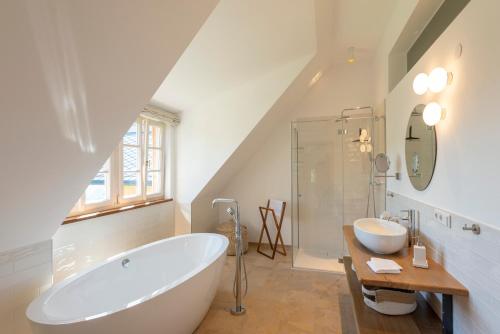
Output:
x,y
356,109
239,309
411,219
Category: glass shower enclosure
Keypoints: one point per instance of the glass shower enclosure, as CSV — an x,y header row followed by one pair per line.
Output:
x,y
332,185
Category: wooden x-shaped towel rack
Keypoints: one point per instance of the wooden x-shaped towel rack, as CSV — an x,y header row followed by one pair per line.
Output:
x,y
277,209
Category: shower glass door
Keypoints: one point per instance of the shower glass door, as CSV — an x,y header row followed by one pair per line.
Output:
x,y
317,194
364,192
357,166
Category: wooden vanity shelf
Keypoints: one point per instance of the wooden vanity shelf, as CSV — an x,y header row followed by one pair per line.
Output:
x,y
423,320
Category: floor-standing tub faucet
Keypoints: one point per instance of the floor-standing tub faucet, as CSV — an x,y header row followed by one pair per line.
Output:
x,y
234,211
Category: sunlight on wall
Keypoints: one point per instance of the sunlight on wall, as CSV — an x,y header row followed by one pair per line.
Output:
x,y
58,54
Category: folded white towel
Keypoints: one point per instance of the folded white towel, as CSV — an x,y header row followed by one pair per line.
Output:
x,y
386,262
384,266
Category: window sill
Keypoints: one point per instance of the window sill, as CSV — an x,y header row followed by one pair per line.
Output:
x,y
123,208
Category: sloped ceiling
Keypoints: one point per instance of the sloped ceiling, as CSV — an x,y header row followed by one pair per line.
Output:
x,y
250,63
339,25
241,41
244,57
360,24
75,74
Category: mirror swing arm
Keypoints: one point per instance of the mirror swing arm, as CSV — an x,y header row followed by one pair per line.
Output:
x,y
396,175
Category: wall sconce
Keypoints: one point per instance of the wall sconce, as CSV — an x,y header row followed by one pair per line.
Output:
x,y
436,81
420,83
433,113
439,78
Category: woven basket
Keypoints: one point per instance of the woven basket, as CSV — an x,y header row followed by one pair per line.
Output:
x,y
227,229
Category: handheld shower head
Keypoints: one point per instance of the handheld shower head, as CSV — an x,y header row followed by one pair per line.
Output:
x,y
233,210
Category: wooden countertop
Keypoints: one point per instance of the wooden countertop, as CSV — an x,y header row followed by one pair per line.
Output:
x,y
434,279
422,321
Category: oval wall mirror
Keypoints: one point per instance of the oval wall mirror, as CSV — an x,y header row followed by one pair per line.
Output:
x,y
420,149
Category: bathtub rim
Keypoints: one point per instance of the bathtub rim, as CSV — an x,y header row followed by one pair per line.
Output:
x,y
35,312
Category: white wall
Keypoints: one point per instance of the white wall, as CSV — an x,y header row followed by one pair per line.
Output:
x,y
24,273
394,28
267,174
208,138
238,65
75,74
204,218
78,245
466,166
466,177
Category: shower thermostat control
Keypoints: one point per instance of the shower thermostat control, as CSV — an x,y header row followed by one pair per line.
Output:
x,y
443,218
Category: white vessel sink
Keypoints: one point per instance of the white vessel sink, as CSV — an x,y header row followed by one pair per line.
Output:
x,y
380,236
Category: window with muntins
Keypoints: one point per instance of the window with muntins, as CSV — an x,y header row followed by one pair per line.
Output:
x,y
133,174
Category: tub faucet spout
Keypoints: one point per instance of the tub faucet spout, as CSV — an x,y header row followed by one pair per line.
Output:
x,y
224,200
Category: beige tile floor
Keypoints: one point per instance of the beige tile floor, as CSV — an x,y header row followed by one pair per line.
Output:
x,y
281,300
310,260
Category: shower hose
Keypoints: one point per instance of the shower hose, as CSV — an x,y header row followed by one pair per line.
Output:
x,y
242,256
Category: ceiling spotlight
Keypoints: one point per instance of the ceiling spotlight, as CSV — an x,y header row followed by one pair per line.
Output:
x,y
433,113
351,59
420,83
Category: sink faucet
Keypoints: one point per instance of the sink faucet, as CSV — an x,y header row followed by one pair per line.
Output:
x,y
412,230
235,214
395,219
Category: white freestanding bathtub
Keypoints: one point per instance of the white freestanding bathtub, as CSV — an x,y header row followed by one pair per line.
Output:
x,y
163,287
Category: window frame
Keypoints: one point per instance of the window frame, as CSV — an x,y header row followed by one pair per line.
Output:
x,y
162,148
104,204
121,199
117,199
80,208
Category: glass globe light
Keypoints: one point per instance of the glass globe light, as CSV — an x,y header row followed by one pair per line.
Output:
x,y
433,113
438,80
420,84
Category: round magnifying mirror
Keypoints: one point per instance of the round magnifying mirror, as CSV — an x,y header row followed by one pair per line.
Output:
x,y
382,163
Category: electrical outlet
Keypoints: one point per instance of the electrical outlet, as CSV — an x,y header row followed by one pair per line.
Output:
x,y
442,218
